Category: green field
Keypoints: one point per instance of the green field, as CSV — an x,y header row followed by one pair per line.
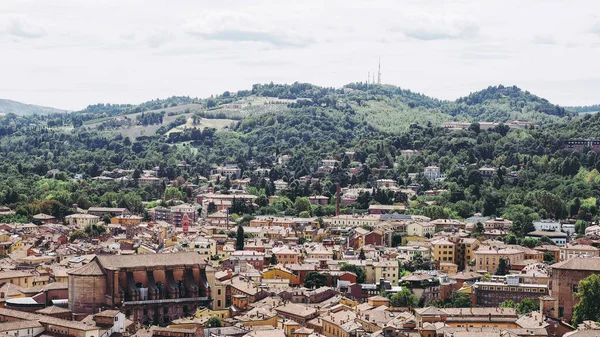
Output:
x,y
216,123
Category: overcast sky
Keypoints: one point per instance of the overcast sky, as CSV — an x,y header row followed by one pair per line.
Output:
x,y
68,54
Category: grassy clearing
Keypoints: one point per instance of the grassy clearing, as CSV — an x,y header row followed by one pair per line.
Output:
x,y
217,123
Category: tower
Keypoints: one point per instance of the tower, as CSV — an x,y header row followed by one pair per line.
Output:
x,y
368,76
379,72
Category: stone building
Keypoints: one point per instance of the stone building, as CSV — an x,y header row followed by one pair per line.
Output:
x,y
565,282
155,288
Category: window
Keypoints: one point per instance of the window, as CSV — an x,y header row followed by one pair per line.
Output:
x,y
575,288
219,292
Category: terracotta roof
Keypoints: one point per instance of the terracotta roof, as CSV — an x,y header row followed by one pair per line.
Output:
x,y
42,216
90,269
548,234
53,310
149,260
579,263
296,309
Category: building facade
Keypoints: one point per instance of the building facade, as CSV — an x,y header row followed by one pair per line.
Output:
x,y
156,288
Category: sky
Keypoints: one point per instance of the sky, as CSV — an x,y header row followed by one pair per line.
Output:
x,y
71,53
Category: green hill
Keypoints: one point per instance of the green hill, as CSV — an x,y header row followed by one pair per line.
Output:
x,y
503,104
7,107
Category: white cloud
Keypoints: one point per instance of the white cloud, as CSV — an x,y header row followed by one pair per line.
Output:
x,y
240,27
543,39
429,27
22,27
113,51
595,28
155,40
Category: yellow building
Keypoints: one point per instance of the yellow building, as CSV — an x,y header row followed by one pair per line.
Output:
x,y
449,268
465,251
145,250
443,251
424,229
488,258
286,255
377,301
319,252
206,248
412,238
259,317
205,312
334,325
290,327
279,272
126,220
387,270
217,290
20,278
375,271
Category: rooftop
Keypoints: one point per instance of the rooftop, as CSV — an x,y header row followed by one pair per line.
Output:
x,y
579,263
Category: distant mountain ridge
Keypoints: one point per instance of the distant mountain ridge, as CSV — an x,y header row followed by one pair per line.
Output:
x,y
9,106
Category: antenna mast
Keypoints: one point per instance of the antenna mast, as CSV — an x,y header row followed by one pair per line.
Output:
x,y
379,72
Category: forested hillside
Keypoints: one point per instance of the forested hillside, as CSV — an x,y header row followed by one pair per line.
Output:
x,y
536,177
502,104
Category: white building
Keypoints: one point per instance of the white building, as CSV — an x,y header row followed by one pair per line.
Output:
x,y
329,162
570,251
385,183
433,173
558,238
547,225
230,171
82,220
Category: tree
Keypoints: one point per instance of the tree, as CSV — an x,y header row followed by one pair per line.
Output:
x,y
78,234
172,193
404,298
273,260
526,306
94,230
360,273
361,255
459,300
580,226
463,209
479,228
549,257
503,267
214,322
588,293
212,207
239,240
282,203
508,304
302,205
315,280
